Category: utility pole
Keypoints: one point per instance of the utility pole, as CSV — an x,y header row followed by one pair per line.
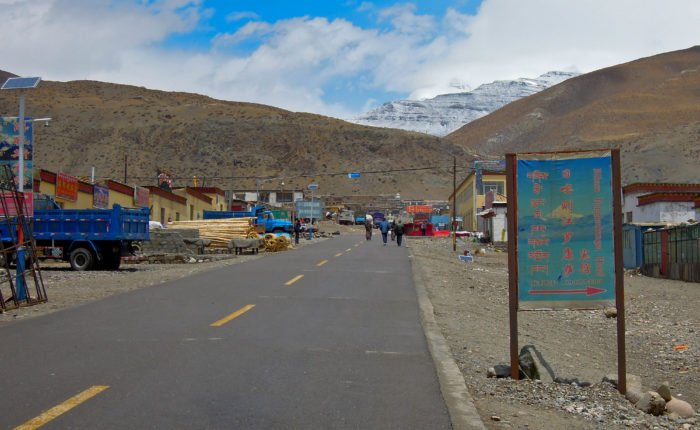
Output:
x,y
454,203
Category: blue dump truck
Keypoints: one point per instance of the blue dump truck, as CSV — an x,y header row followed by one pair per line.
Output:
x,y
264,219
86,238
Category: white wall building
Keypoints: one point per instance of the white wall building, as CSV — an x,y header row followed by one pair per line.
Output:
x,y
649,202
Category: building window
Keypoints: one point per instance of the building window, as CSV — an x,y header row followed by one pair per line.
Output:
x,y
628,216
162,216
285,197
497,187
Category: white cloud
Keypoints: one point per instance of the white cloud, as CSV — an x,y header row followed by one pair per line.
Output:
x,y
299,60
238,16
510,38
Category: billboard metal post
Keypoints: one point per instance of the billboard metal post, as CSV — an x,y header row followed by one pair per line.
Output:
x,y
512,265
454,204
619,275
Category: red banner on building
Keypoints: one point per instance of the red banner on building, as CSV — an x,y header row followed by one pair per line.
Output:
x,y
141,195
66,187
415,209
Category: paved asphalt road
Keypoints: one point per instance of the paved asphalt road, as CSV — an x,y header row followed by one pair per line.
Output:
x,y
340,347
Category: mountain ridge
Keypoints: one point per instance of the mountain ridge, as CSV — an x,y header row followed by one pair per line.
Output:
x,y
445,113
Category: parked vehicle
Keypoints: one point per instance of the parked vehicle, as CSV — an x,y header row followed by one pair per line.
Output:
x,y
86,238
377,217
264,219
359,220
346,217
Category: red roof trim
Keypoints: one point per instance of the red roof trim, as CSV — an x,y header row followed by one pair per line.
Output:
x,y
47,176
167,195
666,197
194,193
119,187
85,187
660,187
211,190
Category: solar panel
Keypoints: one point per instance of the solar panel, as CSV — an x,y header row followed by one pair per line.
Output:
x,y
19,83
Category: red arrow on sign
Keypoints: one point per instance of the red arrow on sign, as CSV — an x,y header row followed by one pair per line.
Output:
x,y
589,291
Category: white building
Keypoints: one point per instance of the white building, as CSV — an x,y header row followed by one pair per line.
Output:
x,y
670,203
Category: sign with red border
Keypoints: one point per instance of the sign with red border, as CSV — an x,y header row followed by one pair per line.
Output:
x,y
66,187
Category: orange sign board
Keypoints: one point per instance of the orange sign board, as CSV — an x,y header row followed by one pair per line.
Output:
x,y
66,187
414,209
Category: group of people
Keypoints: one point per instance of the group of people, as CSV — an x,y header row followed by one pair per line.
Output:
x,y
395,228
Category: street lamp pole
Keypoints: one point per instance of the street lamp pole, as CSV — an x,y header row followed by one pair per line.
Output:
x,y
21,84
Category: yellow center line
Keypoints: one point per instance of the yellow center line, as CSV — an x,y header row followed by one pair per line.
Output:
x,y
348,250
322,263
228,318
293,280
339,254
61,409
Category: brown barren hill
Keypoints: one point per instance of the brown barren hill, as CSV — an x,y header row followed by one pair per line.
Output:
x,y
648,108
225,144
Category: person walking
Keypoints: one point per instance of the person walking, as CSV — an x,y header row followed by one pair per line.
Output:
x,y
399,232
384,228
393,230
368,229
423,227
297,230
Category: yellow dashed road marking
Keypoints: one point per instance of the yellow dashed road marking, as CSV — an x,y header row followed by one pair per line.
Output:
x,y
339,254
61,409
228,318
348,250
322,263
293,280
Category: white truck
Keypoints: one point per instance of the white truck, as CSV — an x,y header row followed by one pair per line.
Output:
x,y
346,217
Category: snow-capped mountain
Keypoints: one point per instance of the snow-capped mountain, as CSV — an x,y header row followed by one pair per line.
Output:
x,y
446,113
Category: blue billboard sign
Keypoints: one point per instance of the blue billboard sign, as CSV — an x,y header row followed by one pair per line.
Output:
x,y
565,241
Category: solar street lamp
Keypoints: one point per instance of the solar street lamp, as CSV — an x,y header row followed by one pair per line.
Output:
x,y
21,84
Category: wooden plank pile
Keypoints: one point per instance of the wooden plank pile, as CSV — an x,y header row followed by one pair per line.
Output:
x,y
221,231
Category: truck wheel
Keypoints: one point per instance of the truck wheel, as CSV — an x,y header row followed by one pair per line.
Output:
x,y
81,259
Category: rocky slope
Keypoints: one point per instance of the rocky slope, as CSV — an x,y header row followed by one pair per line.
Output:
x,y
225,144
446,113
648,108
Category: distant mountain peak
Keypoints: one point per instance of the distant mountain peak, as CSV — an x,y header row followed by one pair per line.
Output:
x,y
445,113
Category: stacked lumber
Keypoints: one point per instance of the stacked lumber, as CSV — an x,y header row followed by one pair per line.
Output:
x,y
221,231
275,243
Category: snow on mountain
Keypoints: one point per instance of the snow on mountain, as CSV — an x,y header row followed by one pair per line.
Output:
x,y
446,113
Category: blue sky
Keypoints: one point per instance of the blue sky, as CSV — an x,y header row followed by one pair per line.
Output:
x,y
336,58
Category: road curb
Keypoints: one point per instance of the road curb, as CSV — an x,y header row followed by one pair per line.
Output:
x,y
459,402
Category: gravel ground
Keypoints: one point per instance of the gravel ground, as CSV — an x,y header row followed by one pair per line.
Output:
x,y
470,301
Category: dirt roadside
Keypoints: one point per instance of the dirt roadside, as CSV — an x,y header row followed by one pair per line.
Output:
x,y
470,303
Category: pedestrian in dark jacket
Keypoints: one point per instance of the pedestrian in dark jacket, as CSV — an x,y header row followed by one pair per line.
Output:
x,y
393,230
297,230
368,229
399,232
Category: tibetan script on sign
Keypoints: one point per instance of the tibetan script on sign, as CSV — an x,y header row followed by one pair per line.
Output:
x,y
565,242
